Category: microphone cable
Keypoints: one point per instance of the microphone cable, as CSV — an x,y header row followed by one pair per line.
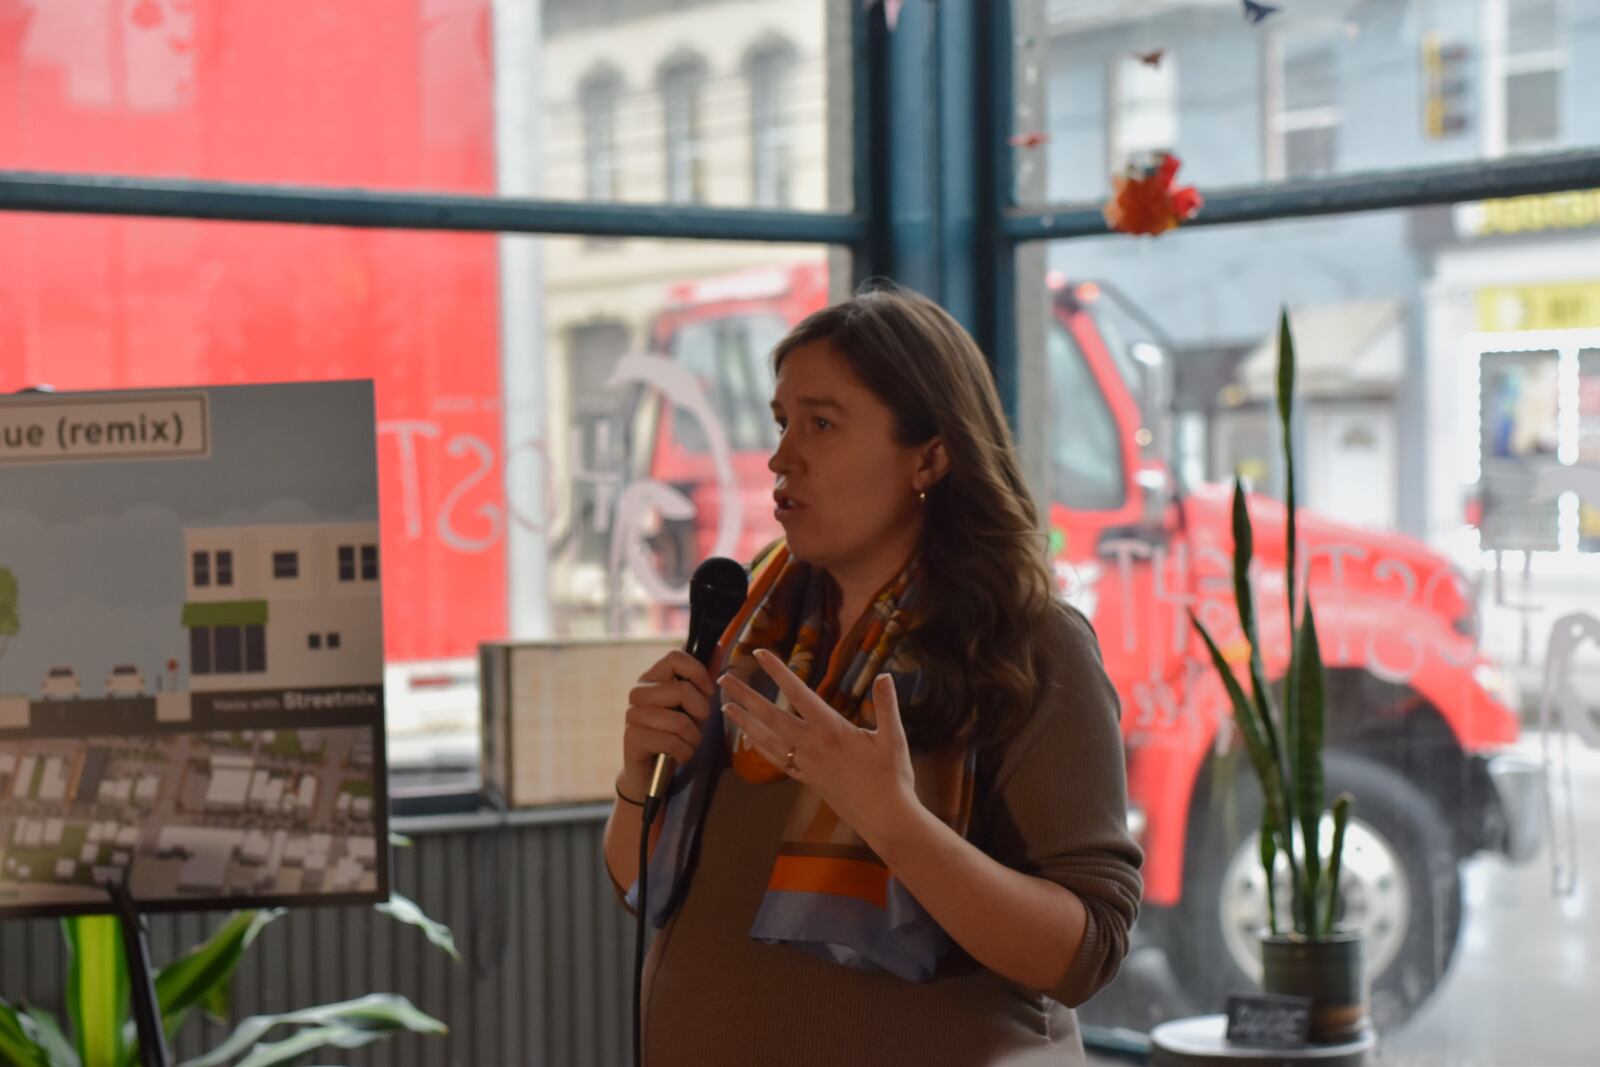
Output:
x,y
716,592
651,805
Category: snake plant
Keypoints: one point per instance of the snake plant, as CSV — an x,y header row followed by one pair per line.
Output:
x,y
1284,744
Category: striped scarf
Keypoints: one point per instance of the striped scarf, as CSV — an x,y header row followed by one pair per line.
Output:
x,y
828,893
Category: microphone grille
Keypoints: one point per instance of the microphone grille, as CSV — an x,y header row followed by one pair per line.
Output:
x,y
720,584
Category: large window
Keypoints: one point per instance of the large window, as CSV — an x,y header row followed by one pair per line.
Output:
x,y
682,86
1531,71
597,102
1311,90
1303,137
1445,468
770,69
1466,512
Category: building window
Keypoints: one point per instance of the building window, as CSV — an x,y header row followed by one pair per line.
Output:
x,y
227,649
768,71
200,648
224,567
333,640
681,83
1532,69
255,648
347,563
1144,109
597,103
201,562
1303,107
313,641
286,564
369,563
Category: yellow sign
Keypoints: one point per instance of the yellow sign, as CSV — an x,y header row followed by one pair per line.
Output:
x,y
1562,306
1529,214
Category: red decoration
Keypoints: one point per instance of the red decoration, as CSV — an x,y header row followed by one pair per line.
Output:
x,y
1145,202
1032,139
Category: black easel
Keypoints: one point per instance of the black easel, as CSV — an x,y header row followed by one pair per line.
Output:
x,y
146,1009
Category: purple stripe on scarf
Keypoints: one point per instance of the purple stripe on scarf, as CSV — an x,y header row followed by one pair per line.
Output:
x,y
899,938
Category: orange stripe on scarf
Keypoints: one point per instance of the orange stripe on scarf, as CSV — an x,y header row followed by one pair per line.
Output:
x,y
845,878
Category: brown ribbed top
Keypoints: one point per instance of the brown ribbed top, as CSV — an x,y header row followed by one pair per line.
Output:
x,y
1051,802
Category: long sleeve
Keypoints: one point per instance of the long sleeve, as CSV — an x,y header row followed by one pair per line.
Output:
x,y
1056,806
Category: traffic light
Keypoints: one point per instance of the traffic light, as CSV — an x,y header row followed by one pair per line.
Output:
x,y
1446,87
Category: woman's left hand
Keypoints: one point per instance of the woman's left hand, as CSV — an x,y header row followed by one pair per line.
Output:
x,y
865,776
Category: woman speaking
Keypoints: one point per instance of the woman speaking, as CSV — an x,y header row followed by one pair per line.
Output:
x,y
897,831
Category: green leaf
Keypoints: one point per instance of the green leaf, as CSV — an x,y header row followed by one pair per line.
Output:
x,y
399,908
1286,373
1269,863
399,840
218,1004
44,1030
17,1046
97,988
1303,904
1246,715
378,1013
1311,683
1244,597
1341,820
292,1048
203,976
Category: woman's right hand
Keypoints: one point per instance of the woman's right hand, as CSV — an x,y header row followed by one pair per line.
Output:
x,y
666,710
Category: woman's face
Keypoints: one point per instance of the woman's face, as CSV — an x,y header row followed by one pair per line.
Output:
x,y
846,491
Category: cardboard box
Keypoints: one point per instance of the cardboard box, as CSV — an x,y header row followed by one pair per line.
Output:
x,y
552,715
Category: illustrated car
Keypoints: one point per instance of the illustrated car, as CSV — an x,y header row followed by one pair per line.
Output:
x,y
61,683
125,680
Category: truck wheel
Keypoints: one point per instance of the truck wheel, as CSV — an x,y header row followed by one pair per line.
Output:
x,y
1400,885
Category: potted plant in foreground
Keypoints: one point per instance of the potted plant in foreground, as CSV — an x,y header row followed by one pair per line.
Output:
x,y
1309,954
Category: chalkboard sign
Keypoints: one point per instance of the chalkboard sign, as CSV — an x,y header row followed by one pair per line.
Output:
x,y
1265,1020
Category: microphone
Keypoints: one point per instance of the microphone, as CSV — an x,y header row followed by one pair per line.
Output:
x,y
716,593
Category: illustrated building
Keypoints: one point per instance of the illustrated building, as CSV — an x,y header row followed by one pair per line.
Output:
x,y
270,607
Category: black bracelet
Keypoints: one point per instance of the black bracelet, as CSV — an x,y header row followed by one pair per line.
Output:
x,y
628,799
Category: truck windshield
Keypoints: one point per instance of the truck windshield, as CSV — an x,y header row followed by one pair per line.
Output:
x,y
1120,328
729,357
1085,456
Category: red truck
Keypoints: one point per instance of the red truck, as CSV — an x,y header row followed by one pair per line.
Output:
x,y
1418,715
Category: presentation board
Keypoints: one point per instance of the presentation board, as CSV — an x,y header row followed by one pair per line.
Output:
x,y
191,649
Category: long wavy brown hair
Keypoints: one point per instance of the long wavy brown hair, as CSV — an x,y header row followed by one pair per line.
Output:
x,y
988,587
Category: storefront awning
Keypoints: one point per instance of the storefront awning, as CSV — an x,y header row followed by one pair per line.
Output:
x,y
1351,349
225,613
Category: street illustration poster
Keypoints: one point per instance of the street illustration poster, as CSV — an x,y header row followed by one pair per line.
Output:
x,y
191,649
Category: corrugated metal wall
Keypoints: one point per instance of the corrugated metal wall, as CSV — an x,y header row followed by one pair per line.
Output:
x,y
547,968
